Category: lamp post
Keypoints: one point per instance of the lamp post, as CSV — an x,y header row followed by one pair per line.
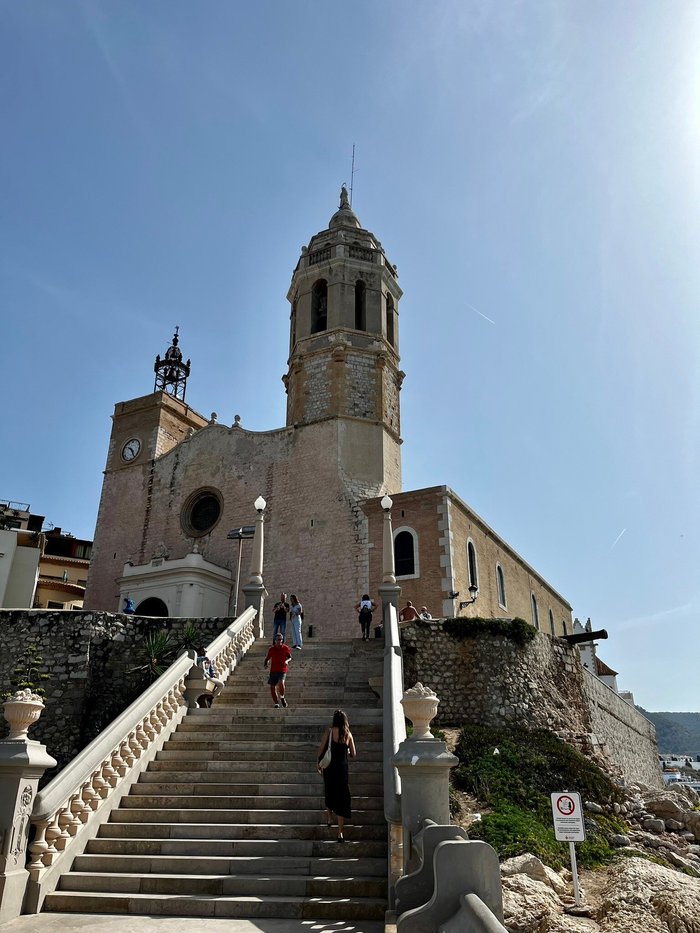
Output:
x,y
238,534
254,591
389,589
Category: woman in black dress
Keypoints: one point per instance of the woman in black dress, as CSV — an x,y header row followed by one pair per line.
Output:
x,y
335,776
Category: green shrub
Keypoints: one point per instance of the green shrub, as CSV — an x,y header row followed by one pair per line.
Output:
x,y
516,782
518,630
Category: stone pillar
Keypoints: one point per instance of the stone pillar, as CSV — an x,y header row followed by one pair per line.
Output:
x,y
389,591
424,766
22,763
254,591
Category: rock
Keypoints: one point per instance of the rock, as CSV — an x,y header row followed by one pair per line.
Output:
x,y
620,840
674,826
666,807
692,821
642,897
526,864
528,904
677,860
593,807
654,826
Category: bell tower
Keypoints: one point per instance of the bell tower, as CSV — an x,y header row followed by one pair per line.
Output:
x,y
344,339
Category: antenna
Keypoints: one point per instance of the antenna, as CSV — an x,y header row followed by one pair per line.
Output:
x,y
352,173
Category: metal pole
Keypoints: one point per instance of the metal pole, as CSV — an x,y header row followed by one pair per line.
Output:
x,y
574,873
238,577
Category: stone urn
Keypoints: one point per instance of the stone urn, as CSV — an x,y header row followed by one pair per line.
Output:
x,y
22,710
420,706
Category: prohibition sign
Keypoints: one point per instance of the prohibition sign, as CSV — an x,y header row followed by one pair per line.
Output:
x,y
565,805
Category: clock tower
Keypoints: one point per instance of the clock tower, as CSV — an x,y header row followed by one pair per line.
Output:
x,y
143,429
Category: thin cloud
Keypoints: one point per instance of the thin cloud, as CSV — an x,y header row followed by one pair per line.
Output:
x,y
480,314
656,618
617,538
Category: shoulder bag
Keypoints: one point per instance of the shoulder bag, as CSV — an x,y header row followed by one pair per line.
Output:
x,y
326,760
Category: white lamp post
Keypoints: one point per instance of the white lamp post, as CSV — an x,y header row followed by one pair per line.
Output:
x,y
389,590
254,591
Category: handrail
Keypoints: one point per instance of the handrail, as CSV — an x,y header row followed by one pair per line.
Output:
x,y
114,759
475,916
393,716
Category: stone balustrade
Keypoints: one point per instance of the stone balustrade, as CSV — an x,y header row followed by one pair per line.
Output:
x,y
69,810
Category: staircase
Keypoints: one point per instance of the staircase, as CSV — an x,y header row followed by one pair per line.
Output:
x,y
228,820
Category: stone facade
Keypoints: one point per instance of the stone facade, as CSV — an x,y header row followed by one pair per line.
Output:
x,y
315,538
442,526
493,681
88,657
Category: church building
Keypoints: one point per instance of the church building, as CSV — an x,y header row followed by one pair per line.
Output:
x,y
177,483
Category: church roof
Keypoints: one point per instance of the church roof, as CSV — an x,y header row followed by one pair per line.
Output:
x,y
602,669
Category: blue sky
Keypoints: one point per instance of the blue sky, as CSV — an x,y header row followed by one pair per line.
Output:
x,y
532,168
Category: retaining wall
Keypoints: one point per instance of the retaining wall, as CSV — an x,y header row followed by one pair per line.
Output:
x,y
89,657
491,680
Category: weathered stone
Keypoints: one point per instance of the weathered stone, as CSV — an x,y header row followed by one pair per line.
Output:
x,y
619,839
673,826
654,826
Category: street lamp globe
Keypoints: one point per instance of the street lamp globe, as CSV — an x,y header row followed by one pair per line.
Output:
x,y
260,504
386,503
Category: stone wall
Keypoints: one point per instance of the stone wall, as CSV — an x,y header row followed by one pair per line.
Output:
x,y
89,657
491,680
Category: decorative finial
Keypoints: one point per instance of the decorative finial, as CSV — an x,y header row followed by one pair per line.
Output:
x,y
213,418
344,198
171,372
236,421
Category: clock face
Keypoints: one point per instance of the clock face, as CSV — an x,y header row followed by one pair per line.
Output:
x,y
130,450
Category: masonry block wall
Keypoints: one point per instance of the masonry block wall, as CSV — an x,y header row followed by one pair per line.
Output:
x,y
89,657
490,680
315,532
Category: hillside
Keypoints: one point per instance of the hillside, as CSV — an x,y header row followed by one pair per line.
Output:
x,y
676,733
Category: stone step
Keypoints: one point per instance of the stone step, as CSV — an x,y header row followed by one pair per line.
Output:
x,y
252,769
228,815
316,830
311,908
223,856
229,821
232,752
352,886
370,781
307,715
232,802
278,734
261,790
204,740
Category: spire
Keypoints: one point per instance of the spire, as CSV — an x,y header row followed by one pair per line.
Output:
x,y
171,372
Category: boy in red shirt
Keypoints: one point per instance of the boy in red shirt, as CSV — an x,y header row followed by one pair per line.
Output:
x,y
278,656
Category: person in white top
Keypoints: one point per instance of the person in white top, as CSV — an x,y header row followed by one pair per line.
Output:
x,y
365,608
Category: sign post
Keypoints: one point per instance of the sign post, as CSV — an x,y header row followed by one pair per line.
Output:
x,y
568,827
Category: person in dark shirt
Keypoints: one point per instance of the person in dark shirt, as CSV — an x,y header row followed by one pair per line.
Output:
x,y
279,622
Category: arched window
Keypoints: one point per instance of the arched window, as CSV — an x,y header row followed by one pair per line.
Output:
x,y
471,560
535,613
319,306
360,306
551,624
406,553
501,587
390,319
564,626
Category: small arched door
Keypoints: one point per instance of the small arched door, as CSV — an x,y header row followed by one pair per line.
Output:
x,y
152,607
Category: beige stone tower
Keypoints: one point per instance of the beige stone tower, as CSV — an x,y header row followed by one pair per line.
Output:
x,y
344,349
